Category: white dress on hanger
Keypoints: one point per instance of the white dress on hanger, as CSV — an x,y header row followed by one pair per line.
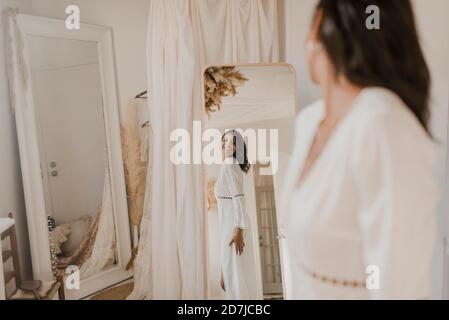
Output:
x,y
238,271
367,207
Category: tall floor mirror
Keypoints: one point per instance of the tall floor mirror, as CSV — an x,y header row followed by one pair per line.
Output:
x,y
249,108
69,140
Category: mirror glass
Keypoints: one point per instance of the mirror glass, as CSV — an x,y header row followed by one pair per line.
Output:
x,y
67,94
250,108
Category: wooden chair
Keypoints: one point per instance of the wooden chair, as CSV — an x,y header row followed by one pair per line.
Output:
x,y
29,290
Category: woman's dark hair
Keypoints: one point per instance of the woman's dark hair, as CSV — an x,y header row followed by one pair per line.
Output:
x,y
390,57
241,151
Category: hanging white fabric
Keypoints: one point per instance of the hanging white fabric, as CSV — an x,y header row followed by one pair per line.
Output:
x,y
184,37
236,31
171,65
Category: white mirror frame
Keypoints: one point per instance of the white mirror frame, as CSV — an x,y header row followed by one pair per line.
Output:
x,y
30,159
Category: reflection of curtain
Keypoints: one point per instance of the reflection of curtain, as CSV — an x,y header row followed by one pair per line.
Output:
x,y
183,37
104,248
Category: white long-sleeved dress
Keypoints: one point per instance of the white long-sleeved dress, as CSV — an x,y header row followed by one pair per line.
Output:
x,y
238,271
366,209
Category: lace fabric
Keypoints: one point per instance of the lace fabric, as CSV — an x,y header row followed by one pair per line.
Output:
x,y
104,249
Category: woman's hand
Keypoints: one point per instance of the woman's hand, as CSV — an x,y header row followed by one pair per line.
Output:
x,y
238,240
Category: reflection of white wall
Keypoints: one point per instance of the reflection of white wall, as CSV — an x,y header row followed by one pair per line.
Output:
x,y
67,95
72,135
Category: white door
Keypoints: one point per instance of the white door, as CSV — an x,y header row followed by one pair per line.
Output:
x,y
72,139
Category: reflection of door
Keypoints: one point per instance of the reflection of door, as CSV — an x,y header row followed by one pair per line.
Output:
x,y
268,234
72,139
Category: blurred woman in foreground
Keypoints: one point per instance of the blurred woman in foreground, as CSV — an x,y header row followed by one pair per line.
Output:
x,y
359,209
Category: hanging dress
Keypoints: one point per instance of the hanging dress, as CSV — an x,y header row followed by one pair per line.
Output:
x,y
238,271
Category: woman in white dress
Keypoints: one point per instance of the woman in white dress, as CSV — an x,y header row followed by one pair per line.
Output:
x,y
237,258
359,206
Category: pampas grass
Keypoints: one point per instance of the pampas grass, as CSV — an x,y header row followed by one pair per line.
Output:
x,y
135,168
221,82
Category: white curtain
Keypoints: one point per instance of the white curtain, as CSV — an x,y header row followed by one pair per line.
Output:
x,y
184,37
236,31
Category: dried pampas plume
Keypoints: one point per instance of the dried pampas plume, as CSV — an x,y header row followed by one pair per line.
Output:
x,y
221,82
135,168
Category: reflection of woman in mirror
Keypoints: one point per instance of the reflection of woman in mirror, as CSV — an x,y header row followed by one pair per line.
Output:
x,y
237,258
359,216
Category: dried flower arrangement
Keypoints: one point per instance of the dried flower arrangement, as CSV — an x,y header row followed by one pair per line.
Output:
x,y
221,82
135,168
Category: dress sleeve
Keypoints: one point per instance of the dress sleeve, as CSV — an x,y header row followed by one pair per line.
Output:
x,y
393,168
235,183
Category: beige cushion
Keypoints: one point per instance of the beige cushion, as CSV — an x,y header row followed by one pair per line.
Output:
x,y
79,229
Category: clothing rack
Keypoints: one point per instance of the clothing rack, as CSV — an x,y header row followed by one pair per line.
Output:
x,y
143,95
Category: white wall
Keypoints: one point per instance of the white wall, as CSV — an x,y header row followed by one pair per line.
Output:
x,y
11,192
297,19
434,28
